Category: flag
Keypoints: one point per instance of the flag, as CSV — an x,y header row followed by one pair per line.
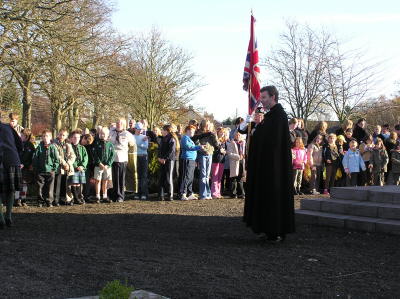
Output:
x,y
251,74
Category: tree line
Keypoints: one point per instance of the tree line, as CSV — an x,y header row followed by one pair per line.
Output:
x,y
68,52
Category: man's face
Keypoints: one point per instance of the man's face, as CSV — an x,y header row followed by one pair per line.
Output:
x,y
267,100
120,125
62,136
131,124
46,138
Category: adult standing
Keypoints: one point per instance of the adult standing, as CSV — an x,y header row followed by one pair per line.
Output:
x,y
319,129
301,131
121,139
10,171
359,132
269,204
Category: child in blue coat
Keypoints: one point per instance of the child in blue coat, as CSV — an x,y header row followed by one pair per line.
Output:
x,y
352,163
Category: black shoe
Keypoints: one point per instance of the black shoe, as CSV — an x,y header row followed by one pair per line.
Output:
x,y
243,196
295,192
234,196
56,204
8,222
18,203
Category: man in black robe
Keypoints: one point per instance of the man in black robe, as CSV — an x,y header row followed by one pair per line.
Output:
x,y
269,204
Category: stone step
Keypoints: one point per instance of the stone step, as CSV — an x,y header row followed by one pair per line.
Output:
x,y
352,207
384,194
369,224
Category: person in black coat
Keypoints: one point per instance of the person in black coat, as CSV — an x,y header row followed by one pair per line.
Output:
x,y
10,171
359,132
269,204
166,157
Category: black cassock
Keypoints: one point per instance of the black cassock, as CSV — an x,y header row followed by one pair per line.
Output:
x,y
269,205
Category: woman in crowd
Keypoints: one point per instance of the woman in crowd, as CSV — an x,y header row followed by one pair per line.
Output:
x,y
315,161
320,129
390,144
347,124
359,131
210,143
218,162
292,129
394,175
301,131
236,151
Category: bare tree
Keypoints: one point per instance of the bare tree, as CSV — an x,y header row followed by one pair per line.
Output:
x,y
298,67
158,78
348,79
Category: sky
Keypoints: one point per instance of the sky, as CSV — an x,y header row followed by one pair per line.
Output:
x,y
216,33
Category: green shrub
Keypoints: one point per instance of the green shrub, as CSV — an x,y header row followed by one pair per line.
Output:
x,y
116,290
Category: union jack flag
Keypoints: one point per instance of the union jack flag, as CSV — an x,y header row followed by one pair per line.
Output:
x,y
251,73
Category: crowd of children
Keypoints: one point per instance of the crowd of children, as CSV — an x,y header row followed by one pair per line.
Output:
x,y
77,167
346,157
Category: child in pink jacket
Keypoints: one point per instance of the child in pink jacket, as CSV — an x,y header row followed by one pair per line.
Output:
x,y
299,160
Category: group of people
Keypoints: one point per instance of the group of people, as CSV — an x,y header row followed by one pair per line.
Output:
x,y
344,156
263,159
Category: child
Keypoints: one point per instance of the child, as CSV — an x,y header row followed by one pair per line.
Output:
x,y
236,150
218,161
343,147
166,157
330,154
142,143
394,174
314,159
28,149
67,159
188,164
366,149
45,163
299,160
378,162
80,164
103,158
352,163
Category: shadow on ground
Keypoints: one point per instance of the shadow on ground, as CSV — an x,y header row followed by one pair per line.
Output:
x,y
70,255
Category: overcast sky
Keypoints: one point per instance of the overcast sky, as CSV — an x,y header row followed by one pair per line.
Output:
x,y
216,33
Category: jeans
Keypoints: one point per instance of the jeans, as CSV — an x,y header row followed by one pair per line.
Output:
x,y
217,170
205,170
187,168
9,198
118,178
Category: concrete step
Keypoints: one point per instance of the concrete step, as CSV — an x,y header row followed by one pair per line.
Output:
x,y
383,194
369,224
352,207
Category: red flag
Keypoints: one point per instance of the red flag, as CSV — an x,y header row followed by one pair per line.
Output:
x,y
251,74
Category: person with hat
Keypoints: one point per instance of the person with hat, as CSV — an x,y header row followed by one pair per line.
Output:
x,y
142,143
10,171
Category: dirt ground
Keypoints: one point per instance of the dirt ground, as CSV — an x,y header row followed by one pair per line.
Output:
x,y
196,249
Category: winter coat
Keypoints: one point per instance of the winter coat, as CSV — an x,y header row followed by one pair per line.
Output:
x,y
46,159
353,161
234,157
379,159
167,150
82,157
395,161
314,155
332,154
67,157
299,158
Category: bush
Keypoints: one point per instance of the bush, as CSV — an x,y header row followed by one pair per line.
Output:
x,y
116,290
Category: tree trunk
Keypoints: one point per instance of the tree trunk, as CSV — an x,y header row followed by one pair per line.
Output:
x,y
57,121
27,104
74,117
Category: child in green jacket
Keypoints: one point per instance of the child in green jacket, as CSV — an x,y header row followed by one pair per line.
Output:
x,y
79,178
103,157
45,164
